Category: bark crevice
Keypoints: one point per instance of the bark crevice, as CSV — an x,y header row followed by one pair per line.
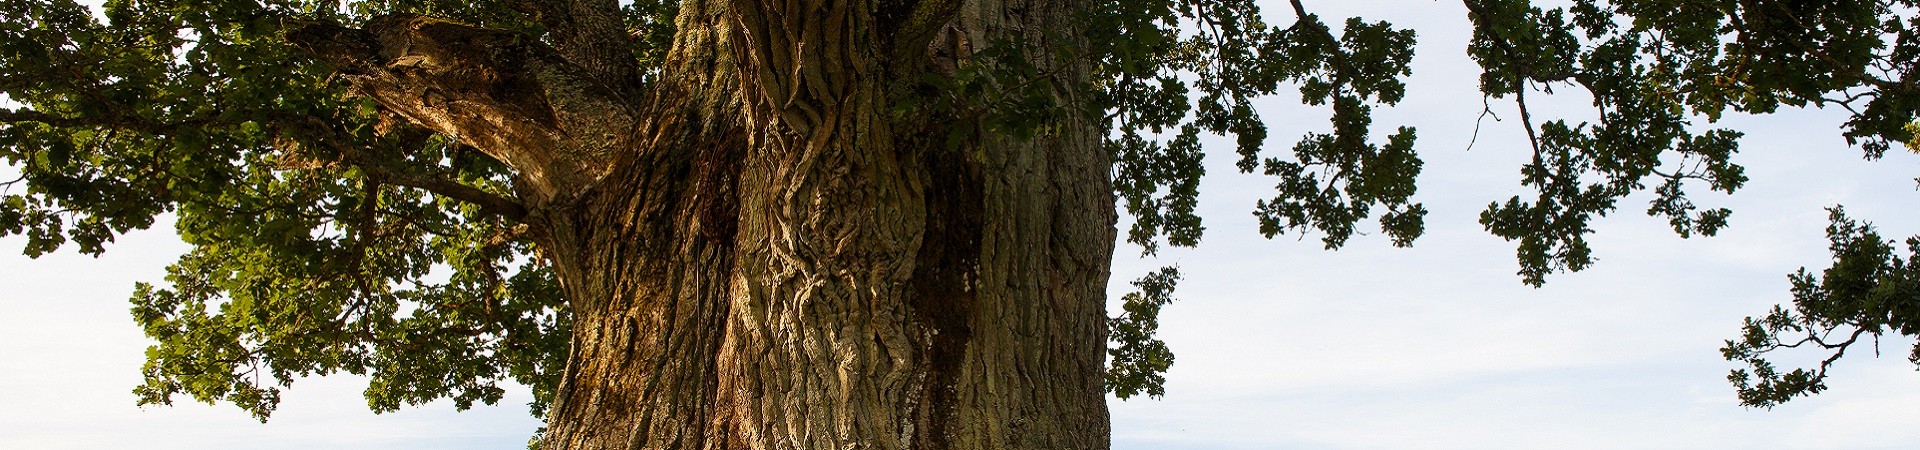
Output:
x,y
946,293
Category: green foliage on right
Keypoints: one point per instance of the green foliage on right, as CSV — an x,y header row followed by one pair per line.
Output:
x,y
1659,73
1867,292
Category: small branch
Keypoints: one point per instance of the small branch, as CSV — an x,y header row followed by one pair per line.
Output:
x,y
489,203
1840,350
1478,11
9,116
1486,110
387,172
1526,120
1333,42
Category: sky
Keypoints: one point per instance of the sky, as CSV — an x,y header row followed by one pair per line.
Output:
x,y
1279,344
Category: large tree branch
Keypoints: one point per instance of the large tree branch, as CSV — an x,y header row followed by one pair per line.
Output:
x,y
509,96
488,202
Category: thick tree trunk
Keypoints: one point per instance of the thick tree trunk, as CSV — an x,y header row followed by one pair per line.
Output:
x,y
775,258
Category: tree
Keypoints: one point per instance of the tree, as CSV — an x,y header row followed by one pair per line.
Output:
x,y
818,224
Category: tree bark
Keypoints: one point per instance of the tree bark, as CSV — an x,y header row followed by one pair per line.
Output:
x,y
774,257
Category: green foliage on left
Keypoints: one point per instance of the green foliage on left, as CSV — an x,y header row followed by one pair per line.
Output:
x,y
304,261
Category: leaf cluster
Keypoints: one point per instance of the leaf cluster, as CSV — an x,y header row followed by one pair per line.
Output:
x,y
1139,361
1166,72
1869,290
1655,70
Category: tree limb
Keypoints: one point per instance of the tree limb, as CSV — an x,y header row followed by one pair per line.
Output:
x,y
509,96
386,172
112,120
488,202
9,116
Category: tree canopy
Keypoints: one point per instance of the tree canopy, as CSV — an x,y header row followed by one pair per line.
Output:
x,y
330,236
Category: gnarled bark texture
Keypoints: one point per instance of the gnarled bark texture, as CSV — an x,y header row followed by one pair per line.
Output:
x,y
759,250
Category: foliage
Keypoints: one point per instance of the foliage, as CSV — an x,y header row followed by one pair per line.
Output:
x,y
1656,67
1868,291
1652,69
1138,362
311,254
319,247
1188,67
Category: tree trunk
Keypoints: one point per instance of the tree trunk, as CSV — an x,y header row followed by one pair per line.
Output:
x,y
776,257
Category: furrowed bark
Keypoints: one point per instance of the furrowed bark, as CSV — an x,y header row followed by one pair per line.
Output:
x,y
906,295
591,35
821,349
647,260
1032,374
644,263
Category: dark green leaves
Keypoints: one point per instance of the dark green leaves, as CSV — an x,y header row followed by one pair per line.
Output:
x,y
317,271
1334,180
1137,361
1162,86
1867,291
1167,72
1648,82
1654,69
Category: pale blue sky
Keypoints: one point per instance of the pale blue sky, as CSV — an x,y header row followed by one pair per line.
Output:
x,y
1279,344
